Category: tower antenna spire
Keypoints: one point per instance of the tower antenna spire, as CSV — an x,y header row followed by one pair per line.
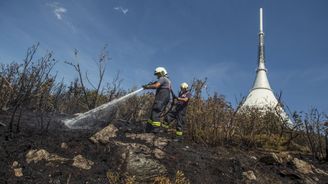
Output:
x,y
261,95
261,20
261,80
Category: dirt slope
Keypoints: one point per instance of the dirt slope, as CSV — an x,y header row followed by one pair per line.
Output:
x,y
134,154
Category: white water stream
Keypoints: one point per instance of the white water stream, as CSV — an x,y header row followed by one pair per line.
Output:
x,y
96,113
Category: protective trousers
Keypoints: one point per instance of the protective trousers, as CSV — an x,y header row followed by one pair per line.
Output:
x,y
178,113
162,98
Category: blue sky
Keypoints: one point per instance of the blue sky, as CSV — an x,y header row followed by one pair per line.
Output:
x,y
191,38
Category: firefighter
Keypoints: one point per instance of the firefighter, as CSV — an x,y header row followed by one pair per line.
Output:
x,y
162,98
178,112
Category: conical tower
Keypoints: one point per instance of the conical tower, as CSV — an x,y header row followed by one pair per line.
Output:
x,y
261,95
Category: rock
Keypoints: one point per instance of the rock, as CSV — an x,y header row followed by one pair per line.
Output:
x,y
18,172
161,142
38,155
135,147
253,157
17,169
276,158
54,157
143,168
249,175
149,138
15,164
302,166
63,145
136,160
284,157
104,135
159,154
82,163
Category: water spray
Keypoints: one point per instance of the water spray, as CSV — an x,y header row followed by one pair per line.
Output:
x,y
96,113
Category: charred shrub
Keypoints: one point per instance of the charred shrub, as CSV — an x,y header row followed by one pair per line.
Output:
x,y
207,118
27,86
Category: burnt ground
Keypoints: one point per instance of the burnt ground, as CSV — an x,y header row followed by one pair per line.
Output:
x,y
199,163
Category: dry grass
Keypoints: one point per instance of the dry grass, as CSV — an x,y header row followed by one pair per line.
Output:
x,y
113,177
130,180
180,178
162,180
211,121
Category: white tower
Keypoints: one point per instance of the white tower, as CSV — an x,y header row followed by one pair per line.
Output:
x,y
261,95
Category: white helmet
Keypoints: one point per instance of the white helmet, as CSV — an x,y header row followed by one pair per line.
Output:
x,y
160,70
184,85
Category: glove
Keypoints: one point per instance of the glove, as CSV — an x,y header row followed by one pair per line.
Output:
x,y
145,86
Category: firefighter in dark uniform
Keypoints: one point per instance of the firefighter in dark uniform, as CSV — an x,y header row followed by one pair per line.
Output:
x,y
162,98
178,112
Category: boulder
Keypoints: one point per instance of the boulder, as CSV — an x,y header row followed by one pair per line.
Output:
x,y
136,160
104,135
82,163
41,154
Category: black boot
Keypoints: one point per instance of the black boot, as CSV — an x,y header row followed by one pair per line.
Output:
x,y
149,128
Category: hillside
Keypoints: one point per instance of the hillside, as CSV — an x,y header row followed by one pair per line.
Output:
x,y
121,153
